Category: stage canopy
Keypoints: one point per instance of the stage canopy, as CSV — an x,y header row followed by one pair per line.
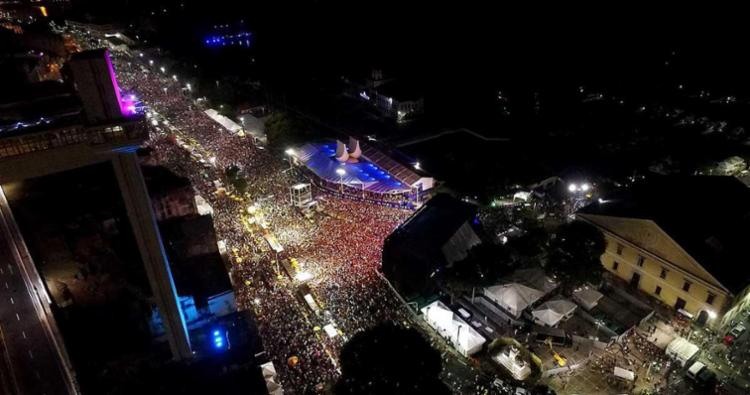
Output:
x,y
320,158
513,297
463,337
551,312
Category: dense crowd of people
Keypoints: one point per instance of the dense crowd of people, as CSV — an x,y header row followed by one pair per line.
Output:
x,y
339,246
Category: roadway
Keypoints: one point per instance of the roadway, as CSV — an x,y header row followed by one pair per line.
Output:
x,y
31,363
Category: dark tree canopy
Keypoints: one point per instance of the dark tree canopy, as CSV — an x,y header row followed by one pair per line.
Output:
x,y
575,252
283,130
389,359
484,264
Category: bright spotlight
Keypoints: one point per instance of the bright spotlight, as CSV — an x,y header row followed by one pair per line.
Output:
x,y
585,187
572,187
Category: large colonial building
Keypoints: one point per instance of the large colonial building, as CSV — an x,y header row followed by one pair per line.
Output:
x,y
681,240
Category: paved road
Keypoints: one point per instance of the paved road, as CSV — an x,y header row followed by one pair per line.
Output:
x,y
30,362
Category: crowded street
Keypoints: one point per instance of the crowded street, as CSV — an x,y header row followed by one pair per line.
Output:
x,y
338,249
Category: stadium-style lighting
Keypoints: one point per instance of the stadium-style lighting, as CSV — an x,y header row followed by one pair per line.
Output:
x,y
572,187
416,166
585,187
290,154
341,172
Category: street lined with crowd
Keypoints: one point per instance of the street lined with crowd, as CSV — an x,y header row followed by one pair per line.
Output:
x,y
339,248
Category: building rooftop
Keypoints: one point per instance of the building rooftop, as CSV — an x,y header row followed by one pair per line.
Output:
x,y
162,181
708,216
435,223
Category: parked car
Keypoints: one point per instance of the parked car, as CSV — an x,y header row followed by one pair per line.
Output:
x,y
733,334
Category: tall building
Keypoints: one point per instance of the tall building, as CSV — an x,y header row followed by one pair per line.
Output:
x,y
680,240
106,130
96,84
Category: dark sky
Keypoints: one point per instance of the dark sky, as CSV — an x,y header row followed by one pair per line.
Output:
x,y
464,42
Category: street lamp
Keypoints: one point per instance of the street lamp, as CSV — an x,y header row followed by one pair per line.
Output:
x,y
341,172
174,77
290,153
572,188
163,70
188,87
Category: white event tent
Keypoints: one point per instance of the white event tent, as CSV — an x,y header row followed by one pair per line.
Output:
x,y
513,297
552,312
587,297
463,337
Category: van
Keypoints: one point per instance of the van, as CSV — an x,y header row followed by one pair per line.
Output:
x,y
700,374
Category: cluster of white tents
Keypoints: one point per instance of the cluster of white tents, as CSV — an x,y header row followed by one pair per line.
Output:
x,y
463,337
514,298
